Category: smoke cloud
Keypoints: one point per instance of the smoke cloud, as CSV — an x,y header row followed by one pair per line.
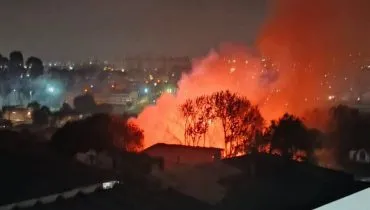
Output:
x,y
308,52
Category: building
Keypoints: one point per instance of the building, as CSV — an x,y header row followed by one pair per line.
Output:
x,y
173,155
157,63
117,99
273,182
18,115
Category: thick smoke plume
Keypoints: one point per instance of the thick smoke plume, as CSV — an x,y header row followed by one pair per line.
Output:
x,y
309,51
327,43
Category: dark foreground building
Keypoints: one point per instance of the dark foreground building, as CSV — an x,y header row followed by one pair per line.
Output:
x,y
174,155
48,181
270,182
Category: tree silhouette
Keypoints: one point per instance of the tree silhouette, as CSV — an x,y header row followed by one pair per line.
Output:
x,y
41,116
4,77
197,115
4,62
344,123
34,105
99,132
16,63
241,121
16,59
289,136
84,103
35,67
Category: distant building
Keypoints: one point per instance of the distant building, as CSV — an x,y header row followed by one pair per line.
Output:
x,y
18,115
148,62
173,155
117,99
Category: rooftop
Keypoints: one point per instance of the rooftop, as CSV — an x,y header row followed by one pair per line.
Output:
x,y
163,145
285,184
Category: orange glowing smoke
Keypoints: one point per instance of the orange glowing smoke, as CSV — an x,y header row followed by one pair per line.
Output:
x,y
234,69
305,39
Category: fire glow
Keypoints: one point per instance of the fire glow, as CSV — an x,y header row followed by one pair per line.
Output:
x,y
291,76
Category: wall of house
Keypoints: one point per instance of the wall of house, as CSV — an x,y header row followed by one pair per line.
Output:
x,y
173,156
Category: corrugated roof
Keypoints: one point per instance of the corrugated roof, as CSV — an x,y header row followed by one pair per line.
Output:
x,y
49,199
125,197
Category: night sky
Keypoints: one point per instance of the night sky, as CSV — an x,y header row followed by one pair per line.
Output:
x,y
110,29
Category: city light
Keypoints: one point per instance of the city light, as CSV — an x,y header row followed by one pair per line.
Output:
x,y
331,97
51,89
146,90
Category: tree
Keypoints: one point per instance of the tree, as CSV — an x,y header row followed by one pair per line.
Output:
x,y
41,116
34,105
35,67
100,132
343,127
4,62
66,108
289,136
16,59
127,135
16,64
4,83
240,120
196,121
85,103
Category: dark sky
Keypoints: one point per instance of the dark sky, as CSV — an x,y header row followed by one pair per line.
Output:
x,y
109,29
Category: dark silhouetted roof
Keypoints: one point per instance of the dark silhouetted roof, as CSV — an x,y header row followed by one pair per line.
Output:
x,y
30,179
174,146
26,177
271,182
125,197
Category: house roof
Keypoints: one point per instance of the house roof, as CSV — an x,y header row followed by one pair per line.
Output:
x,y
286,184
120,197
27,176
174,146
43,180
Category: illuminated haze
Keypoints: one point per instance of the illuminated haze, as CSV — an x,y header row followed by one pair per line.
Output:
x,y
308,41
